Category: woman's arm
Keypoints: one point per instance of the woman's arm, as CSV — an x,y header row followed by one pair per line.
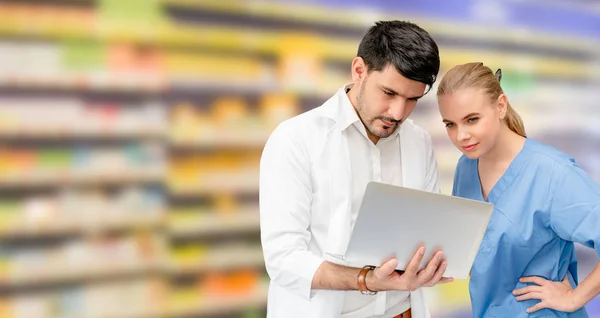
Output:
x,y
588,289
575,217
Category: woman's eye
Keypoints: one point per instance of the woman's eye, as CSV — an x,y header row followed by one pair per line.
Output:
x,y
472,119
448,125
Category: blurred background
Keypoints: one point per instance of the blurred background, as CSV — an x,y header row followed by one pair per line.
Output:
x,y
131,132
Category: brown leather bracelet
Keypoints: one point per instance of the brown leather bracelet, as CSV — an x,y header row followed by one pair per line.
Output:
x,y
362,280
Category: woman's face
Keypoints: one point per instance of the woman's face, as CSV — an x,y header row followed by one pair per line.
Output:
x,y
473,122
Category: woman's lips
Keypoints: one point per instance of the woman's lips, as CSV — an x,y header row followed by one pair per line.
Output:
x,y
470,147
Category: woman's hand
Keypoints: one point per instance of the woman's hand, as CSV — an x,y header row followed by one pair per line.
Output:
x,y
554,295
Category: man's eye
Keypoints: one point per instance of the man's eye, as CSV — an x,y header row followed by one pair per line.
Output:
x,y
388,93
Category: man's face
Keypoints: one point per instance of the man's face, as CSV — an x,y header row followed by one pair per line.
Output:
x,y
385,99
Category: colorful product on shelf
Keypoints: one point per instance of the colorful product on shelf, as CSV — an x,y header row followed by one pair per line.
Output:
x,y
80,164
236,283
85,258
201,220
185,124
188,256
214,293
81,211
71,117
214,173
275,108
144,298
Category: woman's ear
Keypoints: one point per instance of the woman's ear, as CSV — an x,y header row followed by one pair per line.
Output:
x,y
502,104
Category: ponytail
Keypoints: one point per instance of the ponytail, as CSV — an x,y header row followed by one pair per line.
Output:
x,y
514,121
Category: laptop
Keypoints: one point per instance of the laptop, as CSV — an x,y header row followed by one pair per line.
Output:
x,y
393,221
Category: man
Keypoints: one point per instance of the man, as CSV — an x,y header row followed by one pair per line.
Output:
x,y
314,171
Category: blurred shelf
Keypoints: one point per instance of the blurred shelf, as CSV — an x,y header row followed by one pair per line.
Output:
x,y
219,183
274,43
84,24
171,87
21,231
69,3
359,20
214,305
69,275
221,259
82,84
208,190
68,179
211,223
73,135
87,93
344,49
148,313
261,82
238,139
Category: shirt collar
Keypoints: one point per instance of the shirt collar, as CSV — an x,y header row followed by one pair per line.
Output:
x,y
348,115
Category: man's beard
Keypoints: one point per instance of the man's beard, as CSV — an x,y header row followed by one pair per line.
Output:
x,y
370,122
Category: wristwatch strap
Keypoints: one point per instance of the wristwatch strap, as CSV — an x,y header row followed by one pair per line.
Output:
x,y
362,278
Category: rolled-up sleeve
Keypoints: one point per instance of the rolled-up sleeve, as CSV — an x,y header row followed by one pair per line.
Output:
x,y
575,209
285,213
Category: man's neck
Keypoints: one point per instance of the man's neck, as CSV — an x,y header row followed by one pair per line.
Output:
x,y
351,93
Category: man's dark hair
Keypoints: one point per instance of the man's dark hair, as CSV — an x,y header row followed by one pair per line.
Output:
x,y
405,45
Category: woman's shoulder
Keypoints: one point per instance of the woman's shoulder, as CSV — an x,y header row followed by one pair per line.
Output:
x,y
545,156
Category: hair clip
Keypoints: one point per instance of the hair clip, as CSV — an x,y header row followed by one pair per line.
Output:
x,y
498,75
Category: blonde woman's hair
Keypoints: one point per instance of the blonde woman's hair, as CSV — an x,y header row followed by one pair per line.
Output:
x,y
477,75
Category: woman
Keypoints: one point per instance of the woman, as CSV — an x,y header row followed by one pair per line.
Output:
x,y
543,201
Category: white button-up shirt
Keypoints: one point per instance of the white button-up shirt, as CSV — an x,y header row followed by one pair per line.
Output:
x,y
313,173
370,162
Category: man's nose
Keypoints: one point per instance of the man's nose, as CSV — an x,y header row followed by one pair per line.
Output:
x,y
396,109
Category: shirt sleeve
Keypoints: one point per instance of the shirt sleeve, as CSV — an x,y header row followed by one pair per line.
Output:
x,y
456,180
285,197
432,175
575,207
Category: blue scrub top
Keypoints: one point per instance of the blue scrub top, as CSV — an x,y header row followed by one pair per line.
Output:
x,y
543,203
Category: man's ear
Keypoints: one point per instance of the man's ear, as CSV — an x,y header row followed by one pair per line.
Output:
x,y
359,70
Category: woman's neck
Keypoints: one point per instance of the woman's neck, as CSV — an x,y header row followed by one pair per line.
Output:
x,y
507,147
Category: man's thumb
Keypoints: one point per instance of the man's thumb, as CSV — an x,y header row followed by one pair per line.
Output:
x,y
386,269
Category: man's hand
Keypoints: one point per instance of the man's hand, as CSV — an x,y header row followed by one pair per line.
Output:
x,y
386,277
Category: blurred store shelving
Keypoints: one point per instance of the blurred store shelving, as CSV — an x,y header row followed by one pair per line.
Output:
x,y
131,132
